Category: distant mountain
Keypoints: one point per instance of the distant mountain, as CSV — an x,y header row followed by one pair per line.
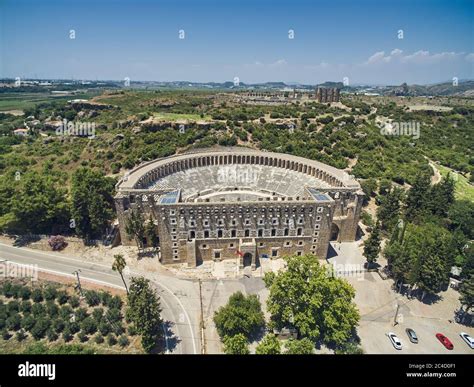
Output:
x,y
463,89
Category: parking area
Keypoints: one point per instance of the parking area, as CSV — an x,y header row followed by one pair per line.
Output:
x,y
377,303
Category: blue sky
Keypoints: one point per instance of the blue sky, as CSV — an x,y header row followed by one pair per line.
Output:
x,y
246,39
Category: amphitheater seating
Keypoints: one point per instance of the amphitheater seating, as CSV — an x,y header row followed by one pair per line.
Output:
x,y
282,181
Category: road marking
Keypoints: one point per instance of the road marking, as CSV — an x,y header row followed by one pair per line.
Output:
x,y
72,275
101,265
62,264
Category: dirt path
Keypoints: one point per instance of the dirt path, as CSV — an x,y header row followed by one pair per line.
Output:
x,y
437,175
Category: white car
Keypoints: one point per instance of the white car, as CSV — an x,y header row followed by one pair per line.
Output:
x,y
397,344
468,339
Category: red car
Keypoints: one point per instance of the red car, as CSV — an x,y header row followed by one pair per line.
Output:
x,y
445,341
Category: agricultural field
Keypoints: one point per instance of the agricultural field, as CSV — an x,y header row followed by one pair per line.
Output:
x,y
51,318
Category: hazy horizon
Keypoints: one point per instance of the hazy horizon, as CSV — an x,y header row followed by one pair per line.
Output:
x,y
374,43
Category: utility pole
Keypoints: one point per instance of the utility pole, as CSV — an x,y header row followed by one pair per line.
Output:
x,y
395,322
201,323
78,286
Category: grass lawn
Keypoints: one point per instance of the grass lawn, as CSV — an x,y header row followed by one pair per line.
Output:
x,y
464,190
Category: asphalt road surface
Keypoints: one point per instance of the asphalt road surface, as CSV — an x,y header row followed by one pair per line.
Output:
x,y
181,327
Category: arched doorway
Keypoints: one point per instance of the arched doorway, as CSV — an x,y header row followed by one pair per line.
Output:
x,y
247,259
334,232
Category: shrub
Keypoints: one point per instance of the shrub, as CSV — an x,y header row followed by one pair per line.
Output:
x,y
80,314
37,295
38,310
49,293
111,340
57,242
99,339
74,301
104,328
15,290
5,335
89,326
73,327
2,323
118,328
123,341
51,335
13,322
105,298
13,307
25,306
65,312
24,293
114,315
6,289
82,337
28,323
58,325
115,303
52,309
62,297
92,298
40,328
21,335
132,331
67,335
98,314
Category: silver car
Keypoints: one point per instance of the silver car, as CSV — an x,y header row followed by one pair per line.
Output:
x,y
397,344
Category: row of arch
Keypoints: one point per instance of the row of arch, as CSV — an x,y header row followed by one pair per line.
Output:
x,y
202,161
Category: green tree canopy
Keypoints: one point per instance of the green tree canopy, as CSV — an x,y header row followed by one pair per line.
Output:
x,y
372,245
269,345
241,314
299,347
92,202
319,306
236,345
423,257
144,311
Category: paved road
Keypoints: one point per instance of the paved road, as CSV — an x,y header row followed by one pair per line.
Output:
x,y
182,329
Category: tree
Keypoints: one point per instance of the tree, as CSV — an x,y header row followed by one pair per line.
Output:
x,y
319,306
466,292
92,202
38,206
270,345
417,201
423,258
389,210
151,234
442,196
144,311
240,315
299,347
119,265
461,217
236,345
350,348
134,227
372,246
